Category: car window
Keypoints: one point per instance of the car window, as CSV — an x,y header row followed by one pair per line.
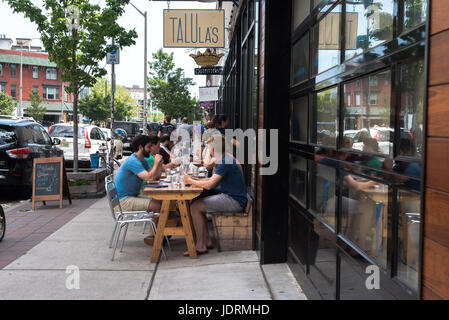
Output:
x,y
38,137
94,134
47,139
65,132
7,135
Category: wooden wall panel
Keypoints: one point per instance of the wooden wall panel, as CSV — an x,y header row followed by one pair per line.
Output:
x,y
428,294
436,220
438,115
436,268
439,13
437,171
439,59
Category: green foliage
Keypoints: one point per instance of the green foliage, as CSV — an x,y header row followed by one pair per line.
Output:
x,y
77,52
97,107
7,104
169,86
36,110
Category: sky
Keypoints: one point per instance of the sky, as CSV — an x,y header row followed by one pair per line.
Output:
x,y
130,70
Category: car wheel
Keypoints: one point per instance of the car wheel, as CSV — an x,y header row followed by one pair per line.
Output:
x,y
2,223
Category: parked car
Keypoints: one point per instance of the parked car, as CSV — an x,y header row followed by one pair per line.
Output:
x,y
350,133
153,128
21,141
381,134
132,129
90,138
121,133
118,144
2,223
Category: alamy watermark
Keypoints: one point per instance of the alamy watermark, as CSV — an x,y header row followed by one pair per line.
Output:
x,y
373,280
251,146
72,282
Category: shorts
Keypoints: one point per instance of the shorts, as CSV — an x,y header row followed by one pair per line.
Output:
x,y
221,203
139,203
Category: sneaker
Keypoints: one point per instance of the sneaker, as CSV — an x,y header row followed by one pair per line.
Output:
x,y
149,240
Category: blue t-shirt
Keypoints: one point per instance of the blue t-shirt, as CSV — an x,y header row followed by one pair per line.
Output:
x,y
126,180
232,182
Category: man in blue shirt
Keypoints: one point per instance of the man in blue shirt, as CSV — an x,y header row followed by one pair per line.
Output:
x,y
227,187
134,170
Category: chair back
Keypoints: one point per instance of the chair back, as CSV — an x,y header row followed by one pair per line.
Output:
x,y
112,195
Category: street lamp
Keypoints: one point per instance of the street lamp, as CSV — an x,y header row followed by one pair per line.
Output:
x,y
145,129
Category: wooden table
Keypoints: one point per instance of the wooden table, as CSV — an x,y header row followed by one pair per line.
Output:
x,y
168,196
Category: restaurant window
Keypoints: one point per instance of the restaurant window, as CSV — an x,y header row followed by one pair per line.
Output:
x,y
368,23
414,13
411,109
299,119
371,118
323,175
35,72
365,206
408,238
326,41
51,93
325,118
300,60
298,179
301,10
13,91
50,74
13,70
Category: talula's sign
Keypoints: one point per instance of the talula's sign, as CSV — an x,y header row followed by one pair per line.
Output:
x,y
194,28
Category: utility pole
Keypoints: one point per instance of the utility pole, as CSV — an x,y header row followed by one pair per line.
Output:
x,y
112,91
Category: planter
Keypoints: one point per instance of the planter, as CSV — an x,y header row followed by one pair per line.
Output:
x,y
87,184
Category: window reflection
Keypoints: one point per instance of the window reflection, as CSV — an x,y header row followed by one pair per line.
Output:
x,y
412,104
300,10
298,178
300,60
368,23
298,125
325,118
414,12
365,206
326,41
367,113
323,189
408,237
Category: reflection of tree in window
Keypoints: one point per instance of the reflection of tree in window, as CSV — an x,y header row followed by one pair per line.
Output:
x,y
414,13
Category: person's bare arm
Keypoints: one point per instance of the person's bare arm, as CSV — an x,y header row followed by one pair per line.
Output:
x,y
207,184
155,172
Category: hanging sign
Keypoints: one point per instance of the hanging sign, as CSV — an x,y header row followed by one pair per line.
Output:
x,y
194,28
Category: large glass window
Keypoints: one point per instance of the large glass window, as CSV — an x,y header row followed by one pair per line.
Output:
x,y
408,237
51,74
301,10
365,205
323,190
51,93
300,60
299,119
411,112
326,41
298,178
414,13
368,23
367,121
325,118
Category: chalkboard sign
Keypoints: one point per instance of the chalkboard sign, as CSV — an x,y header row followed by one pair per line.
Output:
x,y
49,180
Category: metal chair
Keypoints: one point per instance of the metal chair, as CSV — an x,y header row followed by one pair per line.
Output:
x,y
124,218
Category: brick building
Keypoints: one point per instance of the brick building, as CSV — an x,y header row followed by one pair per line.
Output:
x,y
38,73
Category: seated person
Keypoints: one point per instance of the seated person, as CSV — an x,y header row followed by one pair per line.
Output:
x,y
371,145
229,187
134,170
169,160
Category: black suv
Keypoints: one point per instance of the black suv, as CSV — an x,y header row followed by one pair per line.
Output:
x,y
132,129
22,140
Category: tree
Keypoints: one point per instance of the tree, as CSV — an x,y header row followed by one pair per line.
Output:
x,y
169,86
96,106
75,35
36,110
7,104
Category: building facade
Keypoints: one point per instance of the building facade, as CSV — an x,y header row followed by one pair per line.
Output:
x,y
356,89
38,74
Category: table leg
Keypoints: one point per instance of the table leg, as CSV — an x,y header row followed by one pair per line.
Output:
x,y
157,245
188,230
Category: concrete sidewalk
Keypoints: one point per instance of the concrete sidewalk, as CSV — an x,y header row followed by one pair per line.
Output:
x,y
47,270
